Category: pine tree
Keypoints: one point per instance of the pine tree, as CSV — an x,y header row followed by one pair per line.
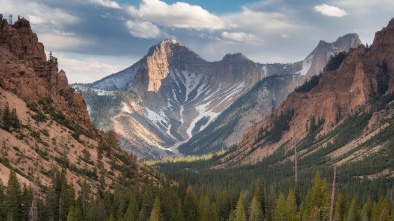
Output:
x,y
280,213
384,213
6,118
190,206
291,206
353,214
270,204
240,214
132,210
256,213
156,214
204,206
366,211
13,198
213,212
14,120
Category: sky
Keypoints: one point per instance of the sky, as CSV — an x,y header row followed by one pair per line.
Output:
x,y
96,38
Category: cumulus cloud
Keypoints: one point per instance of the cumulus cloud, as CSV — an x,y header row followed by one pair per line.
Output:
x,y
262,23
58,40
241,37
86,70
177,15
38,13
105,3
328,10
143,29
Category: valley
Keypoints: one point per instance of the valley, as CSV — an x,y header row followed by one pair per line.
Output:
x,y
175,137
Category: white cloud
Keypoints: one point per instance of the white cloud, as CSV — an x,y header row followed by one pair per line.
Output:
x,y
62,41
108,4
86,70
241,37
285,36
328,10
177,15
143,29
261,23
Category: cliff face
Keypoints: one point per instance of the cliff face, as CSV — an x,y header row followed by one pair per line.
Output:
x,y
172,94
360,77
49,127
25,70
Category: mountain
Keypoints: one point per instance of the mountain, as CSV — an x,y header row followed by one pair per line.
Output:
x,y
262,99
45,127
171,94
343,118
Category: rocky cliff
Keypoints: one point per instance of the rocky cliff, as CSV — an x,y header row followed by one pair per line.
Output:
x,y
45,126
172,94
263,98
25,65
352,86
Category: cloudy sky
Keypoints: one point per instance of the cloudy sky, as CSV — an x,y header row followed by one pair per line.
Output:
x,y
95,38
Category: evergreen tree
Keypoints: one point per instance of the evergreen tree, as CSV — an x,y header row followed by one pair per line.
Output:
x,y
213,213
366,211
384,213
75,213
291,206
13,198
14,120
205,207
240,214
132,210
190,205
353,214
6,118
270,204
256,213
280,213
156,214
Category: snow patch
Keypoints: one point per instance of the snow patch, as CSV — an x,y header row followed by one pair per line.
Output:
x,y
306,65
264,70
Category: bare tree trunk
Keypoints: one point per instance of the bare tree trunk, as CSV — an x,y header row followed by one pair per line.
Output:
x,y
333,195
295,164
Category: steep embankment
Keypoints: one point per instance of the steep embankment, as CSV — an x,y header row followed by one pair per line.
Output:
x,y
346,116
263,99
172,94
45,126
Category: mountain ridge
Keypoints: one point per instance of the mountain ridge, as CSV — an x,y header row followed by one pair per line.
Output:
x,y
360,83
178,93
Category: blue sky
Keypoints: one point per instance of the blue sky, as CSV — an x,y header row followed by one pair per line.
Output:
x,y
95,38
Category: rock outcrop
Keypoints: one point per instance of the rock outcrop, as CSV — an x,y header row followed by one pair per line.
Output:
x,y
172,93
359,77
51,129
25,70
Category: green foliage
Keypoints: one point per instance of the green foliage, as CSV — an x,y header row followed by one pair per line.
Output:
x,y
10,119
309,84
334,62
240,214
156,214
279,125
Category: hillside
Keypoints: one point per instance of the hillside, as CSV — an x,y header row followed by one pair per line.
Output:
x,y
171,94
344,118
45,127
227,130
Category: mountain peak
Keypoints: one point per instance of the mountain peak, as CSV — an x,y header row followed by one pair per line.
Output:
x,y
235,56
172,41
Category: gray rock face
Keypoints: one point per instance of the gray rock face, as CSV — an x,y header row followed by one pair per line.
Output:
x,y
172,94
